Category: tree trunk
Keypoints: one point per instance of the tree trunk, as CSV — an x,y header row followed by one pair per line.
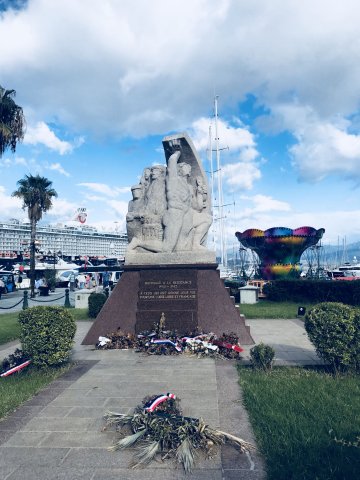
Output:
x,y
32,257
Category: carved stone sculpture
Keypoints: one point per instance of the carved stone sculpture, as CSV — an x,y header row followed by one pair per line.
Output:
x,y
170,214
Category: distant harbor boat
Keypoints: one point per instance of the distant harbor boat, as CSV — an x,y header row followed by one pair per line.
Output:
x,y
346,270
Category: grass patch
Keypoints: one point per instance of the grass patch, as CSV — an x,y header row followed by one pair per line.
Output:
x,y
268,309
10,327
80,314
17,388
296,413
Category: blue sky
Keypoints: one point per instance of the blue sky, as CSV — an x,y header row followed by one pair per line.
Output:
x,y
101,83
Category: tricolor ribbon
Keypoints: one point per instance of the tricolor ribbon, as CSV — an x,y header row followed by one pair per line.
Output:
x,y
150,407
227,345
166,341
15,369
193,342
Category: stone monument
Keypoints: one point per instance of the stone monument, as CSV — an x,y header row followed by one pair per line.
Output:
x,y
168,268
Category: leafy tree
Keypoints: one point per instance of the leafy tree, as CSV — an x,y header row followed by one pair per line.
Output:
x,y
12,121
36,194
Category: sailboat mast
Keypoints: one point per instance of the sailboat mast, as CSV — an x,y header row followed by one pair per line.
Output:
x,y
212,183
220,195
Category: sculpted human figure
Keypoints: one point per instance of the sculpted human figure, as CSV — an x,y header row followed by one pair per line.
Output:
x,y
202,218
155,199
154,204
145,179
176,210
177,217
134,215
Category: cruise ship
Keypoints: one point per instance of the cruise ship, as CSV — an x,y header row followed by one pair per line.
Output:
x,y
65,240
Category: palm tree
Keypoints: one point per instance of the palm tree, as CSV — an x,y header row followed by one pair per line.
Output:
x,y
12,121
36,194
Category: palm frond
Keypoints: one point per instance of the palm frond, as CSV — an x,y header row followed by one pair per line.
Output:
x,y
114,418
146,453
128,441
185,454
236,441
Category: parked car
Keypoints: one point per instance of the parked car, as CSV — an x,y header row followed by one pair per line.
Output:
x,y
62,280
9,281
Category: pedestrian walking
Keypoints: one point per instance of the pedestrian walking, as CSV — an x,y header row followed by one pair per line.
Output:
x,y
2,287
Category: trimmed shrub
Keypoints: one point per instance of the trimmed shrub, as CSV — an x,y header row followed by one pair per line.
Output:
x,y
50,277
355,346
96,302
46,335
331,329
262,357
313,291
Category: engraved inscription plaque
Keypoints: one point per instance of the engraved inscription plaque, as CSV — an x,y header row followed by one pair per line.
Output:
x,y
173,292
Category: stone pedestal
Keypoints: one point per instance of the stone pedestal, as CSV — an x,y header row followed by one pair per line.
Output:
x,y
249,294
190,296
82,298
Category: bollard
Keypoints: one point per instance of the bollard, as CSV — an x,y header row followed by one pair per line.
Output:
x,y
25,301
106,291
67,299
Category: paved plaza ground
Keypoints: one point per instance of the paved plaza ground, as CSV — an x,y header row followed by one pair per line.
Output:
x,y
58,433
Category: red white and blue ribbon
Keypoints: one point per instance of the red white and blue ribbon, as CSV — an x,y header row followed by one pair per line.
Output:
x,y
15,369
227,345
193,342
150,407
166,341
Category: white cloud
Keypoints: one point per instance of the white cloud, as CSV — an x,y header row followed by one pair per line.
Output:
x,y
58,168
264,203
234,138
110,225
41,134
324,147
9,206
20,161
93,198
119,207
159,68
159,71
240,175
241,146
7,162
105,189
62,210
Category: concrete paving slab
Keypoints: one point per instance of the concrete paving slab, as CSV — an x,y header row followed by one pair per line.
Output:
x,y
288,338
56,473
59,432
31,456
55,412
145,474
6,471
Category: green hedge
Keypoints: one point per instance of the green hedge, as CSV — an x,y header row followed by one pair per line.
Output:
x,y
313,291
46,335
96,302
332,327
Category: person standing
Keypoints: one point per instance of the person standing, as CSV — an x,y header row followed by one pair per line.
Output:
x,y
2,287
81,280
72,280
